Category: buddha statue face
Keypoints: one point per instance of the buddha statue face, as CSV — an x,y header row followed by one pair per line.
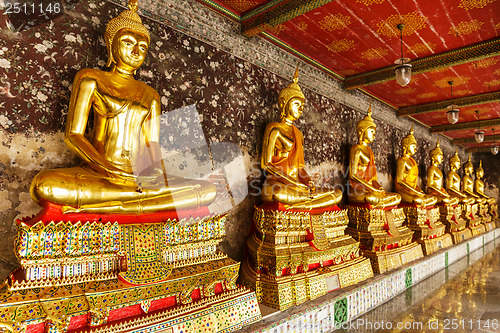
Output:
x,y
437,159
468,169
455,165
129,49
369,135
410,149
479,173
294,108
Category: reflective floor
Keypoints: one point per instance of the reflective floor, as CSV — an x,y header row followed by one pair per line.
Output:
x,y
465,297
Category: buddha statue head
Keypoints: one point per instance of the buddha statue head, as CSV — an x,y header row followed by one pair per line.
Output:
x,y
437,154
479,170
366,128
291,99
127,39
409,144
468,167
455,161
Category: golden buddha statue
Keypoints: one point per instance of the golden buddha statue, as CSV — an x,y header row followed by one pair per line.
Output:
x,y
468,183
435,179
453,181
407,175
479,185
364,186
287,181
125,133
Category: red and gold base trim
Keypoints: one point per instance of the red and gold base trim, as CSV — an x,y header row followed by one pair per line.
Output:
x,y
455,225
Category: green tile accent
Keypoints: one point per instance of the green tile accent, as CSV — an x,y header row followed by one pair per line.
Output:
x,y
340,311
468,248
446,259
408,278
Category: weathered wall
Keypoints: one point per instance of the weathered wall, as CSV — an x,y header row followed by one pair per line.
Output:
x,y
234,82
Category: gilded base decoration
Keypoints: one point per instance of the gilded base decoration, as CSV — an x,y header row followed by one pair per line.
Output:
x,y
383,237
455,225
297,256
427,227
121,277
473,220
486,217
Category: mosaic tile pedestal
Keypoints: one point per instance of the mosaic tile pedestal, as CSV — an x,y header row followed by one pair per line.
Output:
x,y
427,227
455,225
295,256
383,237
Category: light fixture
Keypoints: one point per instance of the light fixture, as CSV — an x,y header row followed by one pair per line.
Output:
x,y
403,68
478,134
494,148
452,113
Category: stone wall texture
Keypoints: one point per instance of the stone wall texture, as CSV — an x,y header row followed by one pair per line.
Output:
x,y
196,57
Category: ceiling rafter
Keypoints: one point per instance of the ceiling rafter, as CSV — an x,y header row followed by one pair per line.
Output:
x,y
468,125
488,138
471,100
482,50
479,150
275,13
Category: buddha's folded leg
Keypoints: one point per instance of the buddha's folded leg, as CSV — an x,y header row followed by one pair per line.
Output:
x,y
390,199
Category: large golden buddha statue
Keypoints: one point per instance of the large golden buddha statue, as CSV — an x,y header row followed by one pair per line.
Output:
x,y
113,177
287,181
407,175
435,179
453,181
479,185
468,183
364,186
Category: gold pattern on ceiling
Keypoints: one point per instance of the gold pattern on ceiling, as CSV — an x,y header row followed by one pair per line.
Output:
x,y
405,91
484,63
277,29
372,54
461,92
302,25
420,48
465,28
359,64
242,5
340,45
472,4
457,81
497,72
497,26
427,95
370,2
413,22
334,22
492,83
349,72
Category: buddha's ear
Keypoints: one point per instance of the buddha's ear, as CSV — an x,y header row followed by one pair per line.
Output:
x,y
110,52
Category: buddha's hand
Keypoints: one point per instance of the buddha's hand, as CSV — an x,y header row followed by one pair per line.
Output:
x,y
311,187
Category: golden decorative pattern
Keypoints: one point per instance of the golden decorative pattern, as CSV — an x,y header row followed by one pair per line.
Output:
x,y
497,26
497,72
340,45
465,28
484,63
242,5
457,81
276,30
413,22
492,83
461,92
472,4
302,26
372,54
334,22
370,2
421,48
405,91
427,95
349,72
359,64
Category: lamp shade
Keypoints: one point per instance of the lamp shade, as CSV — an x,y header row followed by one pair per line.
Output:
x,y
403,73
479,136
452,115
494,150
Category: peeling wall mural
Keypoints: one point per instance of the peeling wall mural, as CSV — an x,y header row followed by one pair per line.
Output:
x,y
235,100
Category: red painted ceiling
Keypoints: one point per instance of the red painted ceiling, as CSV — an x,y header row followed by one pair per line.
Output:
x,y
355,36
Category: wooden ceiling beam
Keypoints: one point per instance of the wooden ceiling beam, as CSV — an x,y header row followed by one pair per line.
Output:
x,y
468,125
479,150
487,138
471,100
482,50
275,13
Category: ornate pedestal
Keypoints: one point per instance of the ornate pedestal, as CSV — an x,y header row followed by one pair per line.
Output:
x,y
456,226
297,256
108,276
383,237
427,227
486,218
493,209
469,214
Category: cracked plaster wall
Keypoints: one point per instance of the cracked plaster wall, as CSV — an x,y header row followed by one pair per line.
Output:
x,y
195,57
